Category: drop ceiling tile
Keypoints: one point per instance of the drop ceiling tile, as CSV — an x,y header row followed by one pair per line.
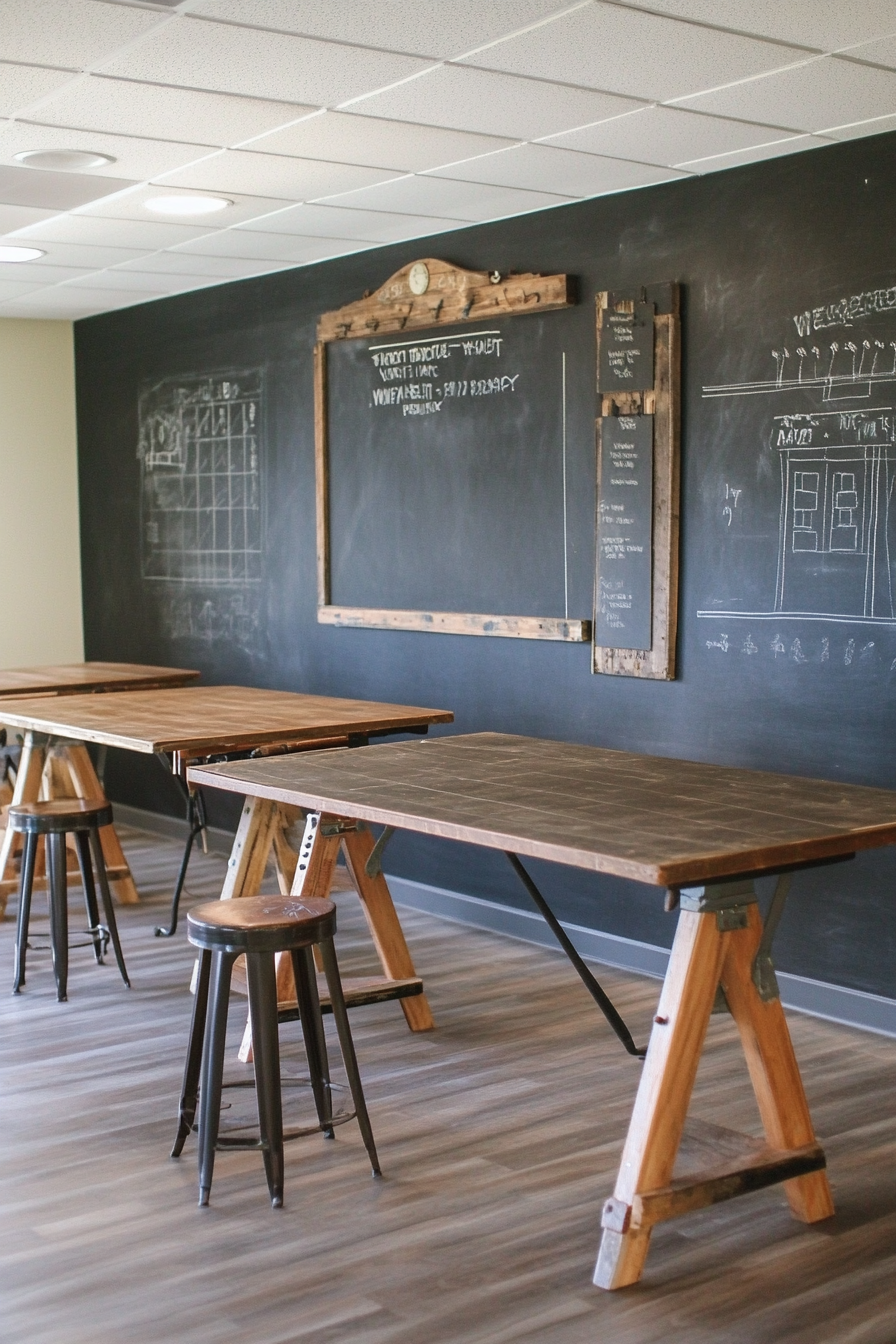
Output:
x,y
826,92
274,175
824,27
796,144
190,264
606,46
859,129
880,52
342,138
466,99
201,54
564,171
124,107
65,302
38,273
53,191
144,282
75,33
665,135
20,216
470,201
13,289
53,311
426,28
131,205
22,85
135,158
242,243
71,254
112,232
328,221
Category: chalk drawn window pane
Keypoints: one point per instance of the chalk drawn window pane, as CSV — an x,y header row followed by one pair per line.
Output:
x,y
805,509
844,521
200,449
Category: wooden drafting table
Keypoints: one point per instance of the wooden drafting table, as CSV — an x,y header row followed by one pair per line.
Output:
x,y
191,723
72,772
704,832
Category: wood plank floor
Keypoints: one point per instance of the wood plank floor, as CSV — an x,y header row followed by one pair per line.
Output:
x,y
499,1135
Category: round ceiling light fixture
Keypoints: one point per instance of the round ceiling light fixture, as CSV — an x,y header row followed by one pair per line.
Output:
x,y
186,205
20,253
63,160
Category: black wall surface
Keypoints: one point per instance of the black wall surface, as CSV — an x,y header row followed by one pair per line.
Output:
x,y
810,693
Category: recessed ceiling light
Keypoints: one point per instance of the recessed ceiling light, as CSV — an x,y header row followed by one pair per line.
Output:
x,y
20,253
186,205
63,160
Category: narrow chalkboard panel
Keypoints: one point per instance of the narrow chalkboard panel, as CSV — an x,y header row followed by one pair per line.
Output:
x,y
626,350
623,609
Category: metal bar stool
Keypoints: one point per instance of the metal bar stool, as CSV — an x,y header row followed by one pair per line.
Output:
x,y
260,927
81,817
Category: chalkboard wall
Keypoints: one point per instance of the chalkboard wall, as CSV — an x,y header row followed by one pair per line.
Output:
x,y
787,637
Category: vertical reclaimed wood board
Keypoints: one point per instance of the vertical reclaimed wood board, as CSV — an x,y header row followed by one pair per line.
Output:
x,y
663,402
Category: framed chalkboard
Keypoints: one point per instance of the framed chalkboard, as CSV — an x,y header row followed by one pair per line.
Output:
x,y
458,410
636,573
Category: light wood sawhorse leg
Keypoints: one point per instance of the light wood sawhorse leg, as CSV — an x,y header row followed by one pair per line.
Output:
x,y
61,769
717,939
261,830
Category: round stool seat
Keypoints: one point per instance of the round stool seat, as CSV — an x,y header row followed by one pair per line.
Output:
x,y
261,923
59,816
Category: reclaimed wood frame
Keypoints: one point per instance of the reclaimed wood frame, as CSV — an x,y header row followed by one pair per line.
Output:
x,y
452,295
663,402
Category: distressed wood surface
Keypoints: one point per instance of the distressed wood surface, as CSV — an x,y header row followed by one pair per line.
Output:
x,y
75,678
458,623
649,818
209,719
453,295
499,1133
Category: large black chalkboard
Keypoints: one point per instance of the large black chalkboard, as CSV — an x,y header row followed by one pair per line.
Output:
x,y
446,468
812,693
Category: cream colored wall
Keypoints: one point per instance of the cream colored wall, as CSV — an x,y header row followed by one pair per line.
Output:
x,y
40,611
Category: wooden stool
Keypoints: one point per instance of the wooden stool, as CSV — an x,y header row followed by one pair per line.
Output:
x,y
55,819
260,927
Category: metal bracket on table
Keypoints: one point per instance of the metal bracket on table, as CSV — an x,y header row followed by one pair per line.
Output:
x,y
599,995
373,867
764,977
728,901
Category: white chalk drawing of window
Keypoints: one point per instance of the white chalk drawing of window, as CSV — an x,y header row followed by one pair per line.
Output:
x,y
805,510
844,526
201,498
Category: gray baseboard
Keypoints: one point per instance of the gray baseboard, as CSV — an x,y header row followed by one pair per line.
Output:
x,y
835,1003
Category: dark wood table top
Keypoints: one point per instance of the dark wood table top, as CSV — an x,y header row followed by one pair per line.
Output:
x,y
77,678
204,720
648,818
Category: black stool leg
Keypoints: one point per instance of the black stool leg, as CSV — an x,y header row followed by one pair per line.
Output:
x,y
100,938
108,908
190,1089
58,885
312,1022
26,883
213,1069
340,1017
262,984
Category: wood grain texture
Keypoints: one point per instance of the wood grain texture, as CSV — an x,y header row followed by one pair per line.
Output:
x,y
209,719
75,678
458,623
454,295
499,1133
649,818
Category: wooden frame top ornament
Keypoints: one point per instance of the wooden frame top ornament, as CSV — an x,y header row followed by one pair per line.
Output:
x,y
428,293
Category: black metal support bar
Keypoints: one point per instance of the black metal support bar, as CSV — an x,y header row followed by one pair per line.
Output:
x,y
197,824
600,997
